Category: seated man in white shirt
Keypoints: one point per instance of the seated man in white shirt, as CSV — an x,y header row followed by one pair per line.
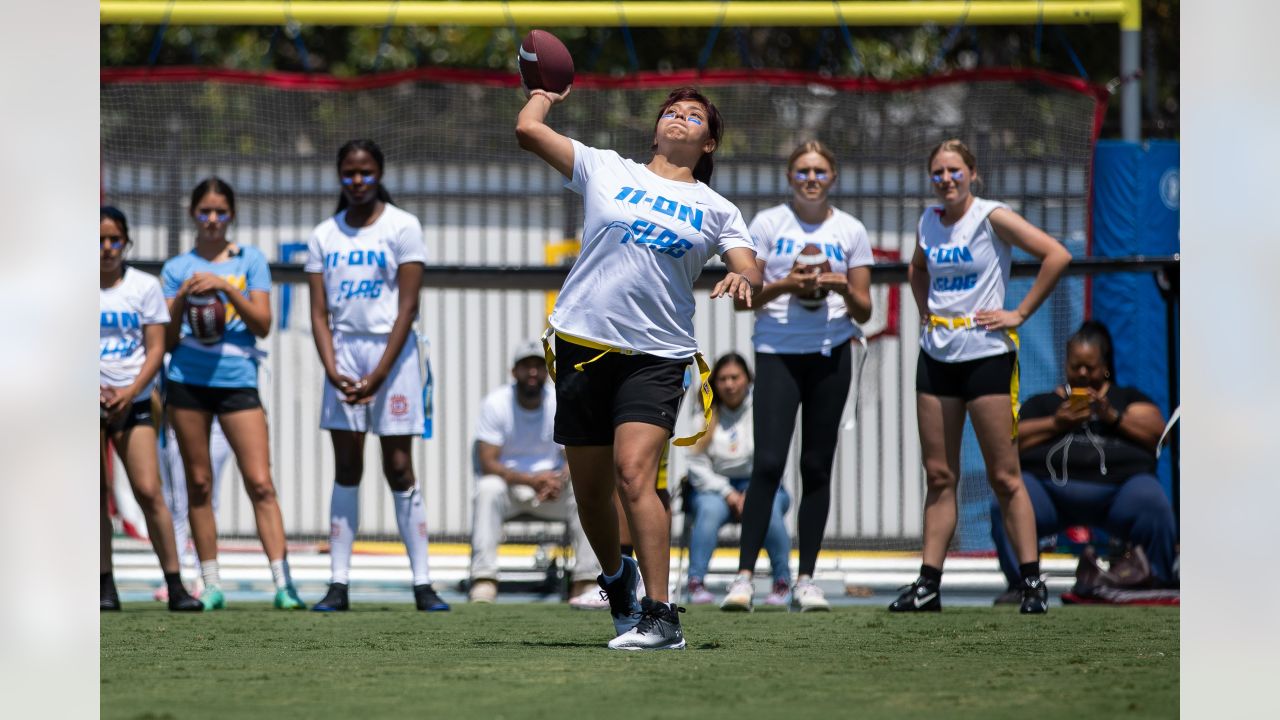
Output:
x,y
521,470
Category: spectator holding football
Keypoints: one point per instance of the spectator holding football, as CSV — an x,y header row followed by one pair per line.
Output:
x,y
1088,453
132,317
219,299
816,261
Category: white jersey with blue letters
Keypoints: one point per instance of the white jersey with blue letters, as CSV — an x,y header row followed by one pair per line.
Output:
x,y
359,267
644,241
123,311
968,272
784,327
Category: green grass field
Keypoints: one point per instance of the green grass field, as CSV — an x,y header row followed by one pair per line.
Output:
x,y
546,661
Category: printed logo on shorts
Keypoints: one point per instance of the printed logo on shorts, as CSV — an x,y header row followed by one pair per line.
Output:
x,y
399,405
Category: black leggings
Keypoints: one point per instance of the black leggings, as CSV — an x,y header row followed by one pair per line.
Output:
x,y
818,385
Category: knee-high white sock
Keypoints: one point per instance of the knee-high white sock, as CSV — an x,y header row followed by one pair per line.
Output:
x,y
344,520
412,520
209,572
280,573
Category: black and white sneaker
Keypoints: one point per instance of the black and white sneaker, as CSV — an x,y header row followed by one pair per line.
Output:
x,y
920,596
335,600
425,597
658,629
108,598
1035,596
624,606
181,601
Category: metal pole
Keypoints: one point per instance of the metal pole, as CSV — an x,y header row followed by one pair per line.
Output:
x,y
1130,85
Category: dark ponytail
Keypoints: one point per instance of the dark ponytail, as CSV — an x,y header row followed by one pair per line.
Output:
x,y
1093,332
705,166
372,148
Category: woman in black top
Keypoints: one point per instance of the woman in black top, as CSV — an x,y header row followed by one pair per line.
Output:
x,y
1088,458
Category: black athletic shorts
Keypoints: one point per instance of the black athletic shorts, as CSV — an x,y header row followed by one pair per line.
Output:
x,y
966,380
216,400
138,414
615,389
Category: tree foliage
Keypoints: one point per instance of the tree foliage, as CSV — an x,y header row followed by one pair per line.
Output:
x,y
882,53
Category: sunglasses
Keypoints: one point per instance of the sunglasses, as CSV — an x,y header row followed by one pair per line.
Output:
x,y
113,242
956,175
350,180
204,216
803,175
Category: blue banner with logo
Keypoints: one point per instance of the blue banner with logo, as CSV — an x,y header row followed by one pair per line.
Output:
x,y
1135,212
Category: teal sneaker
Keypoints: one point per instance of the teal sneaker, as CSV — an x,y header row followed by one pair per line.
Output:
x,y
212,598
287,599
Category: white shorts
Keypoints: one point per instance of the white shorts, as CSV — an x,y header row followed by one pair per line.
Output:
x,y
396,409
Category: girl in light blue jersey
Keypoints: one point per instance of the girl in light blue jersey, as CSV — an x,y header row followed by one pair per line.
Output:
x,y
208,379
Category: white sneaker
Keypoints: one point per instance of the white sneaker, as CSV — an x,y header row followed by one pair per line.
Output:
x,y
483,591
806,596
739,596
590,599
658,629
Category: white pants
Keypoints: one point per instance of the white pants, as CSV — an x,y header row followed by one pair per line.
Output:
x,y
396,409
494,501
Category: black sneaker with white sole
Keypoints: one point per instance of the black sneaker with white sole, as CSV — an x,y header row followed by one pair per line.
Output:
x,y
1035,596
658,629
920,596
624,606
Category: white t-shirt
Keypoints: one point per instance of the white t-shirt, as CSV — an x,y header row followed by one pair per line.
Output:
x,y
785,327
968,272
123,312
525,436
644,241
360,265
730,453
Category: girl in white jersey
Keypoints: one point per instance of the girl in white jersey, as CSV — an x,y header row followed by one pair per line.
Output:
x,y
624,333
803,360
364,268
131,318
968,359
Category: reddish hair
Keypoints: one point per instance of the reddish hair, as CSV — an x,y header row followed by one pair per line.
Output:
x,y
702,171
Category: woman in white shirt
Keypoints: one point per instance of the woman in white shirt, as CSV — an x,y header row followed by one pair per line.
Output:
x,y
719,471
624,333
132,317
816,261
968,361
364,269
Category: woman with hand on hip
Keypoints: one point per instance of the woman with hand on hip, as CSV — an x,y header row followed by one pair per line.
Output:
x,y
968,362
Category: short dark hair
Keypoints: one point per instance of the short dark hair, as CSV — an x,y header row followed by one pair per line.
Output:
x,y
702,171
213,184
115,215
372,148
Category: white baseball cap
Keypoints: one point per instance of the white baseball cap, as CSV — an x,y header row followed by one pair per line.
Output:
x,y
527,349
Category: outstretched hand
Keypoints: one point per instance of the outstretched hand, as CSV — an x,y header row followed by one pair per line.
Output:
x,y
553,97
734,286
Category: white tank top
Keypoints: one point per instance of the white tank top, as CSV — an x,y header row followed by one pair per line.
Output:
x,y
968,271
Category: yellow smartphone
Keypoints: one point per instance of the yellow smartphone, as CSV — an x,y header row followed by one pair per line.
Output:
x,y
1079,398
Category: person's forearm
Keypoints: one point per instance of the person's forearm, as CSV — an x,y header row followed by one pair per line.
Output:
x,y
768,293
1035,431
399,335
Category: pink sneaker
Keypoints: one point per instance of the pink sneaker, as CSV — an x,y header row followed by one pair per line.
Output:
x,y
161,594
699,594
779,595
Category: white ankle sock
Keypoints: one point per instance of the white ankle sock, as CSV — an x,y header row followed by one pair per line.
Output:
x,y
344,519
209,572
412,521
280,573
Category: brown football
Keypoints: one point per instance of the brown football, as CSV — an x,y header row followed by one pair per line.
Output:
x,y
207,317
545,63
815,260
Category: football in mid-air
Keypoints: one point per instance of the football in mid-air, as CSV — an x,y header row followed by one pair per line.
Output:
x,y
207,317
545,63
813,259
